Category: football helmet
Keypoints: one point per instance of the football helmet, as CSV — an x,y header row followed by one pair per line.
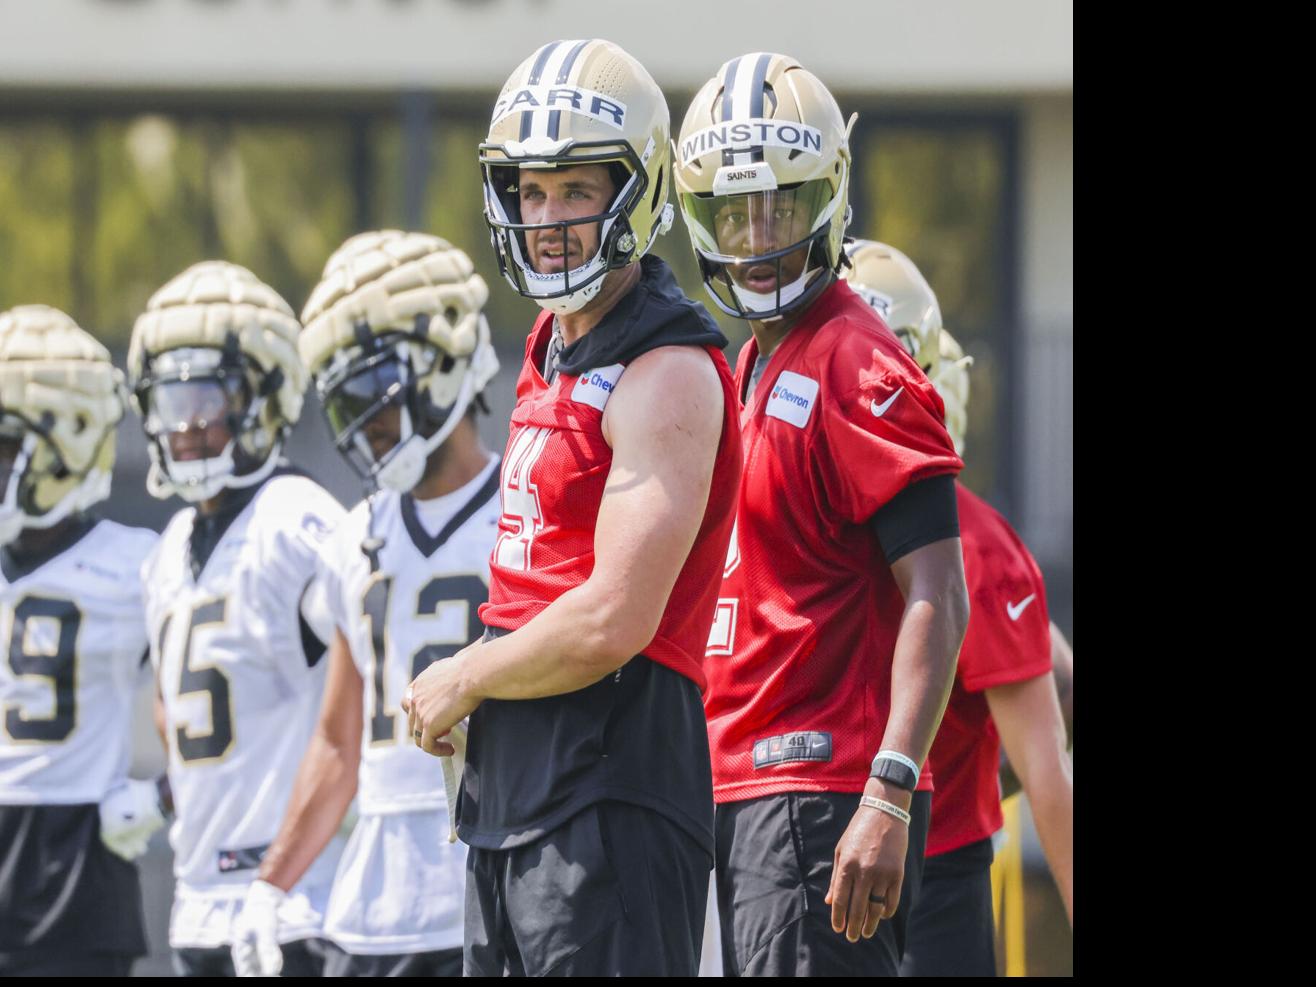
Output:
x,y
396,321
575,103
762,173
60,399
216,379
888,280
950,377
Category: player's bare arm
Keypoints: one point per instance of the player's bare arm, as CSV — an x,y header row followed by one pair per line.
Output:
x,y
1028,717
663,422
327,779
869,862
1062,671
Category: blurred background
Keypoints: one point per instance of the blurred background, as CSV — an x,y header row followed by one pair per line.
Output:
x,y
140,136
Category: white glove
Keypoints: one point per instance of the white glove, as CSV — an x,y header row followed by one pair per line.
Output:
x,y
256,950
453,766
130,813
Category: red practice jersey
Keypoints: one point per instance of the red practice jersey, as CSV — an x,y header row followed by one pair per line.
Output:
x,y
799,658
553,476
1008,640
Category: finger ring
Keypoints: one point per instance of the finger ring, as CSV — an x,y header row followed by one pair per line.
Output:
x,y
410,690
877,898
416,734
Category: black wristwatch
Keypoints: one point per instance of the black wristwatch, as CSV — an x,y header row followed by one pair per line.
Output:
x,y
892,771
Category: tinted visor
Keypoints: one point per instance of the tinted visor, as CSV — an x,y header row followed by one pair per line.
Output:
x,y
730,228
194,404
366,389
12,432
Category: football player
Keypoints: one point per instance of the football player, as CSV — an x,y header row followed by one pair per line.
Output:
x,y
400,353
1005,691
587,798
72,638
843,603
237,629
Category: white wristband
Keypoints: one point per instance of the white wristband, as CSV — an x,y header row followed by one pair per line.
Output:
x,y
883,806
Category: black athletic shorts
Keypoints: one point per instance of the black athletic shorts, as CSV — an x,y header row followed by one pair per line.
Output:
x,y
774,866
951,933
617,890
437,963
303,958
63,894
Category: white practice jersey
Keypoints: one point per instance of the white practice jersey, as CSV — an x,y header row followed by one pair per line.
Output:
x,y
411,597
240,699
73,635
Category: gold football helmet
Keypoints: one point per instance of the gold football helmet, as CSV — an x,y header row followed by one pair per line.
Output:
x,y
60,399
575,103
396,320
888,280
216,379
762,173
951,379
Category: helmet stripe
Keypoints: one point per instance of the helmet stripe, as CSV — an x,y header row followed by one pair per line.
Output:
x,y
756,97
564,76
728,87
747,101
536,70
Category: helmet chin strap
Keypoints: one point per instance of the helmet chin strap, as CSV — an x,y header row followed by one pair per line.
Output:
x,y
201,479
163,482
404,466
783,297
95,486
574,302
12,518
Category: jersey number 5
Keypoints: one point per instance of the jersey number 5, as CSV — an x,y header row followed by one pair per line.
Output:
x,y
194,676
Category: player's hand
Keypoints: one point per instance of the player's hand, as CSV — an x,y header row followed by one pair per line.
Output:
x,y
869,864
435,702
130,813
453,766
256,950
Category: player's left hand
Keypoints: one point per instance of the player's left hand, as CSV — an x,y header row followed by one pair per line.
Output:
x,y
256,950
130,813
435,702
869,865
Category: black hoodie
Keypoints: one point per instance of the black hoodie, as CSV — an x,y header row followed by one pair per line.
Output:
x,y
656,312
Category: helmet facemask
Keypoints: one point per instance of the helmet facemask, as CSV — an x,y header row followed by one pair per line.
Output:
x,y
763,254
30,462
206,415
429,391
570,290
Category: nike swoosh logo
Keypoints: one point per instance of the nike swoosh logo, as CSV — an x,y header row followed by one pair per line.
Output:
x,y
1015,609
879,410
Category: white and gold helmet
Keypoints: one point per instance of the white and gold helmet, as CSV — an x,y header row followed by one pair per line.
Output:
x,y
397,321
888,280
216,379
950,377
574,103
60,399
763,173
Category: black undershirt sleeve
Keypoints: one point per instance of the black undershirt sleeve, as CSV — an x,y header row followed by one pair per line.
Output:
x,y
923,513
312,646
